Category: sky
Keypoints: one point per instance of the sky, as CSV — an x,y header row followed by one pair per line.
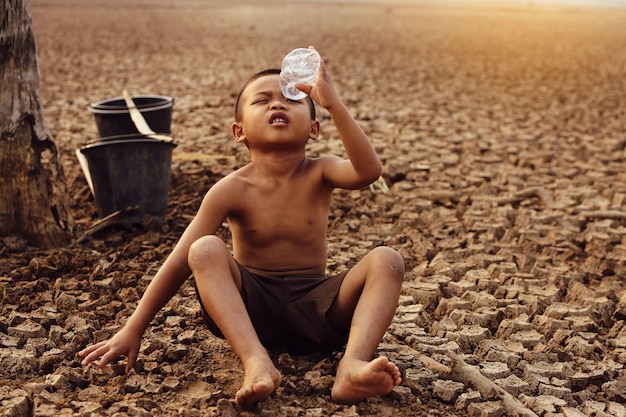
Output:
x,y
598,3
586,3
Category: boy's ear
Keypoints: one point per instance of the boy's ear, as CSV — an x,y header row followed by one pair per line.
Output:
x,y
238,134
315,130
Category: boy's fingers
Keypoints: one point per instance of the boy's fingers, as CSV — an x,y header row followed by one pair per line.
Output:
x,y
90,349
94,353
85,351
304,87
106,358
89,356
132,359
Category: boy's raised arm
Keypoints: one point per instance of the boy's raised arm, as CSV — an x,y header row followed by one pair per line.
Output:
x,y
363,165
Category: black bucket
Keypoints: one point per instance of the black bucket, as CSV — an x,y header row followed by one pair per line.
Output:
x,y
112,116
128,171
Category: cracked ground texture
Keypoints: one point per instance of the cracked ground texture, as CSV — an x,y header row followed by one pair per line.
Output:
x,y
502,130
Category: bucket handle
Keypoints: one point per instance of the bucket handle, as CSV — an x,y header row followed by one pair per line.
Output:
x,y
140,122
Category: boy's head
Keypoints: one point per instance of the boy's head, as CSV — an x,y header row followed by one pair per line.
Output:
x,y
264,73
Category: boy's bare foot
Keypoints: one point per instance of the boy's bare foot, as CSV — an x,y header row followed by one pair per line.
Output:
x,y
261,379
357,380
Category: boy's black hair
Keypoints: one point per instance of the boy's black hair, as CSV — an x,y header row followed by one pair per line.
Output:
x,y
271,71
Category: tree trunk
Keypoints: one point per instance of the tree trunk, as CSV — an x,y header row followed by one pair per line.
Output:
x,y
34,201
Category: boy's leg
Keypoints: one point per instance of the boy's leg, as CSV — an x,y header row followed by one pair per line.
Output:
x,y
219,284
367,301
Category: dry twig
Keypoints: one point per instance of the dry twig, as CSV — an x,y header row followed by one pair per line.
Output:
x,y
520,196
470,376
105,222
381,184
604,214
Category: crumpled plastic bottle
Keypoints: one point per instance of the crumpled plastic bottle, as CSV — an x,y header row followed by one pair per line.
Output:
x,y
299,66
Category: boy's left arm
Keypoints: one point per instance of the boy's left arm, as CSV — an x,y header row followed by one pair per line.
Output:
x,y
363,165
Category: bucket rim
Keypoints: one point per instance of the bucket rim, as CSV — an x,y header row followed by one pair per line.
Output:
x,y
128,138
102,107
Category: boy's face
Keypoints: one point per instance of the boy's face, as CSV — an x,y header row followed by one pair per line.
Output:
x,y
267,117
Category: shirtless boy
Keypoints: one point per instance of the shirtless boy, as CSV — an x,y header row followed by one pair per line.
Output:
x,y
277,209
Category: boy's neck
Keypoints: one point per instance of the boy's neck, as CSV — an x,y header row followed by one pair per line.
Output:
x,y
277,164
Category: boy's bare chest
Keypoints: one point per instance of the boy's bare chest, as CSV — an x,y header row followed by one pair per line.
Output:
x,y
295,213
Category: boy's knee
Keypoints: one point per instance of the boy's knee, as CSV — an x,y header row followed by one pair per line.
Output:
x,y
206,248
390,258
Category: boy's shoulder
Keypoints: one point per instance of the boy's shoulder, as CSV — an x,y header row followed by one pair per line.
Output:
x,y
237,180
234,177
239,174
249,173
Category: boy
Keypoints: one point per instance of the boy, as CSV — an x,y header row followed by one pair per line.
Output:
x,y
271,291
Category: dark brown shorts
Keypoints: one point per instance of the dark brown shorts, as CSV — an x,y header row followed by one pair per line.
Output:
x,y
290,312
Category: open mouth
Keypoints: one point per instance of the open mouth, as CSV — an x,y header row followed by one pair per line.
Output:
x,y
278,119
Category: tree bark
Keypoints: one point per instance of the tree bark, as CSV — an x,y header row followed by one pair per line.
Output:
x,y
34,201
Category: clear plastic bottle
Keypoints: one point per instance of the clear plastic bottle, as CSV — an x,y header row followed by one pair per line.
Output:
x,y
299,66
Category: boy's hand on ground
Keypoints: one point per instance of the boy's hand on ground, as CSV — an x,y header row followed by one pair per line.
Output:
x,y
121,344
